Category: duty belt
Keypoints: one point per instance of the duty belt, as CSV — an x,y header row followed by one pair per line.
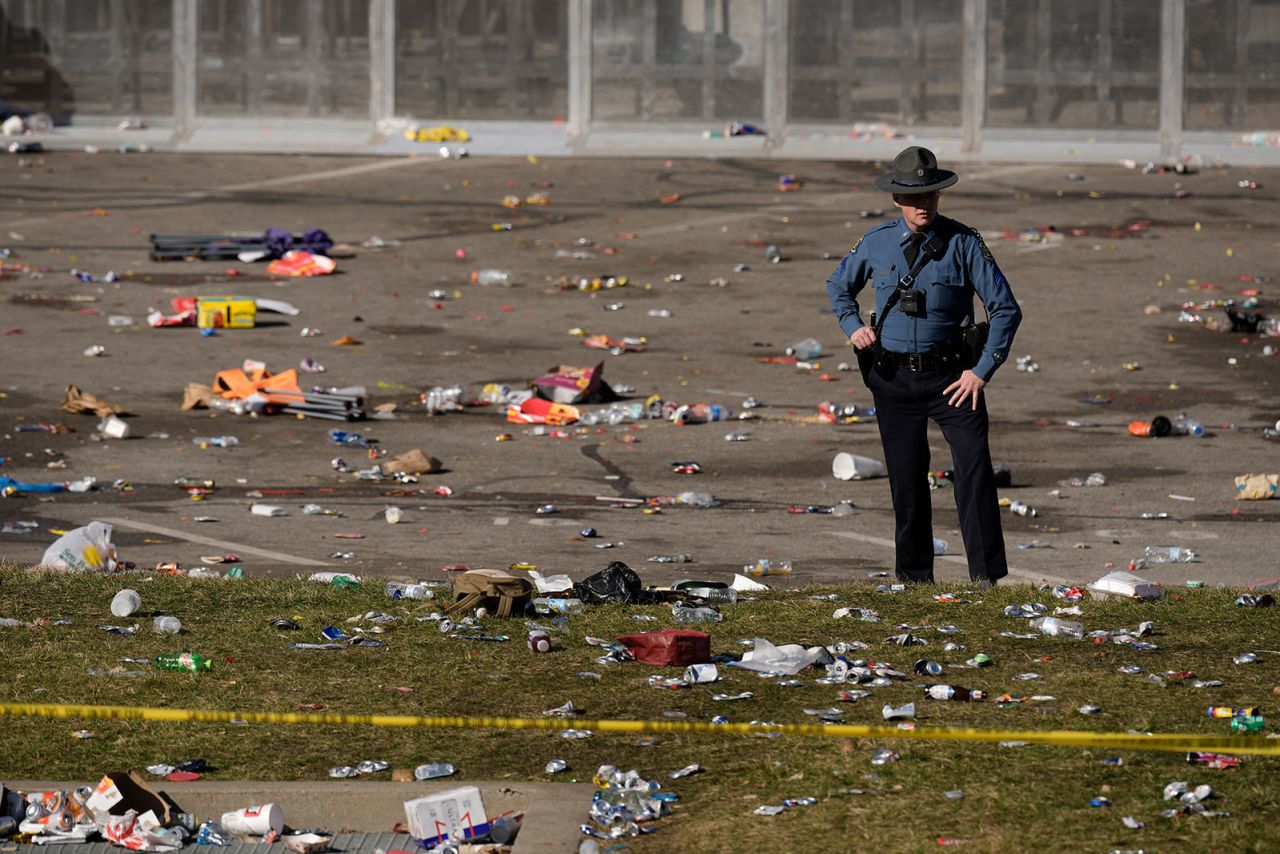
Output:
x,y
933,360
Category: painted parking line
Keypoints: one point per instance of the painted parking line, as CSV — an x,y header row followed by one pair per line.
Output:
x,y
888,544
210,541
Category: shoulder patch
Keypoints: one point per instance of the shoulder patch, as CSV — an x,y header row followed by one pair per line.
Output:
x,y
982,245
855,246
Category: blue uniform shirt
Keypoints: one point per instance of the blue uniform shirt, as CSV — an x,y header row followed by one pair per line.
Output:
x,y
950,282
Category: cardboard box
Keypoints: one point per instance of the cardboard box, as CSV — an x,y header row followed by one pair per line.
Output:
x,y
225,312
121,791
456,815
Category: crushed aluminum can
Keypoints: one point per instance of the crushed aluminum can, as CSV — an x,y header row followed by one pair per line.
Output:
x,y
1132,823
883,756
555,766
573,734
546,509
924,667
1245,658
769,809
824,713
697,674
686,771
372,766
1089,709
745,695
800,802
906,639
1196,795
342,771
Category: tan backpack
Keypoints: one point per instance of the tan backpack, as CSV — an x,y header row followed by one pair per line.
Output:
x,y
502,594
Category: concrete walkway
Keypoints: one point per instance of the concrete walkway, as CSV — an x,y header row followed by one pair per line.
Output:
x,y
367,811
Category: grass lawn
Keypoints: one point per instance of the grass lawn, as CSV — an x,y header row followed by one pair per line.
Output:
x,y
1034,798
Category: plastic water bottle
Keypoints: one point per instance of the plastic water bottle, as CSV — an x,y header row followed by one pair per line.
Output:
x,y
1186,426
1055,627
403,590
809,348
557,605
696,615
1168,554
216,441
168,625
432,770
700,413
696,499
183,661
764,566
955,692
714,595
351,440
492,277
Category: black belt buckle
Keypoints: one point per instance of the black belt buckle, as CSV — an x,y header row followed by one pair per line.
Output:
x,y
915,362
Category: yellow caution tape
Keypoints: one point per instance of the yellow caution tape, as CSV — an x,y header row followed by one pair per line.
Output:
x,y
1252,744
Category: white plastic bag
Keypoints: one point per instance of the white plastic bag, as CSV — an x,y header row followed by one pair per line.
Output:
x,y
787,659
87,549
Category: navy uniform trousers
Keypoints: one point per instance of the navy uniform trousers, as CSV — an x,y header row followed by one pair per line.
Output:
x,y
906,401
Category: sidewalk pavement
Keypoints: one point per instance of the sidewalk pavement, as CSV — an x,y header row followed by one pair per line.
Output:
x,y
367,811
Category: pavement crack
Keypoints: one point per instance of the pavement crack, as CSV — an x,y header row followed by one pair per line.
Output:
x,y
622,484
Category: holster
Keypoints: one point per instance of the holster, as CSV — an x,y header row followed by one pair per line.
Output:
x,y
972,342
867,359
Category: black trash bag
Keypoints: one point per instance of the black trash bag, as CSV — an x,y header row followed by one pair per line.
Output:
x,y
1244,321
617,583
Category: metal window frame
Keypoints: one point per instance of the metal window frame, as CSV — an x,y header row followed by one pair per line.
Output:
x,y
584,134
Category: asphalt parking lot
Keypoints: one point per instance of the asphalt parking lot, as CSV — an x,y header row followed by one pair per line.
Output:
x,y
1101,261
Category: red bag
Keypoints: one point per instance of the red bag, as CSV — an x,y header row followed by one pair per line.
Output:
x,y
669,646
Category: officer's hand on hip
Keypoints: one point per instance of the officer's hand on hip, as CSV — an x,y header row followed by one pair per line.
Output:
x,y
863,337
968,387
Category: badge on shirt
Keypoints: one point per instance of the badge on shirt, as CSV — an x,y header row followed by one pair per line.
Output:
x,y
855,246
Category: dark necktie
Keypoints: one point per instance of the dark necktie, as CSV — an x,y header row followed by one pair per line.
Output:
x,y
912,250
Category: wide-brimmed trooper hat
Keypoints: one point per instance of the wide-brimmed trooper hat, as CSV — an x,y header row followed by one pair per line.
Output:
x,y
915,172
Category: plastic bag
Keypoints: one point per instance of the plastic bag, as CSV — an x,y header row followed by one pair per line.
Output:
x,y
1257,487
616,583
787,659
87,549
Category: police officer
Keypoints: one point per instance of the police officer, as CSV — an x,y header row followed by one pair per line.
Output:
x,y
916,365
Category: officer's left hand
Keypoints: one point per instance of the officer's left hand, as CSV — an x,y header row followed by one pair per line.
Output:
x,y
968,387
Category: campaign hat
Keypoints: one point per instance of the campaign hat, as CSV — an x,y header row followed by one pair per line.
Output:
x,y
915,172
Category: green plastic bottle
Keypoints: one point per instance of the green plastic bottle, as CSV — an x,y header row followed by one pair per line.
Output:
x,y
183,661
